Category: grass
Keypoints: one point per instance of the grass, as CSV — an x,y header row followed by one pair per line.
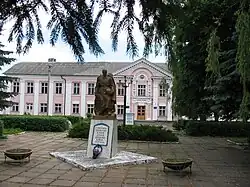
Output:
x,y
12,131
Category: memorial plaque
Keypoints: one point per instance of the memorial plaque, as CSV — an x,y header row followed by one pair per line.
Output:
x,y
100,134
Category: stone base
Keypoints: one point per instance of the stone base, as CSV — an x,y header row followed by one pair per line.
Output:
x,y
113,117
80,159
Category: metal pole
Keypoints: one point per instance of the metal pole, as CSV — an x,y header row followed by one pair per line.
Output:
x,y
49,74
125,100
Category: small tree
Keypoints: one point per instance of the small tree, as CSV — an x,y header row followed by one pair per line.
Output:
x,y
4,95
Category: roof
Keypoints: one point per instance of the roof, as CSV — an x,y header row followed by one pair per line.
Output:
x,y
69,68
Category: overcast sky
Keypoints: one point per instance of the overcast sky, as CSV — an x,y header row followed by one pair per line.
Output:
x,y
62,53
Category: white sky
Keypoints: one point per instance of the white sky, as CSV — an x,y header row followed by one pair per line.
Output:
x,y
62,52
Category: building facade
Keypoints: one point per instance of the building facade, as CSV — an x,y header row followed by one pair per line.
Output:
x,y
57,88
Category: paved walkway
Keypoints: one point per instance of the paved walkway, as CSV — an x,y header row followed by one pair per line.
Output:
x,y
216,163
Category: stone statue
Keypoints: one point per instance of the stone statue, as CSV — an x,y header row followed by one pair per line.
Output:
x,y
105,96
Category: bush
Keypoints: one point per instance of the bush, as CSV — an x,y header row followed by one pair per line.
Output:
x,y
72,119
180,124
80,130
214,128
36,123
144,133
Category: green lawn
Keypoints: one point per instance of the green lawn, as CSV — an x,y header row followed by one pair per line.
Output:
x,y
11,131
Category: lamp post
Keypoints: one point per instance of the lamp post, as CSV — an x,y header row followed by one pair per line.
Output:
x,y
49,74
125,84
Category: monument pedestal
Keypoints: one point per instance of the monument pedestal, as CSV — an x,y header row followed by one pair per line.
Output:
x,y
103,133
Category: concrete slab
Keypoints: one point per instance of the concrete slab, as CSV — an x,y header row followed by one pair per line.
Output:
x,y
80,159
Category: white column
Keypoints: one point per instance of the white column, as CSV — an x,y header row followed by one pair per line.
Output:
x,y
170,103
36,97
51,93
21,97
8,110
68,98
83,99
155,99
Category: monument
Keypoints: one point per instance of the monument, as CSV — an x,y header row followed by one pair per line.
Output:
x,y
103,133
102,140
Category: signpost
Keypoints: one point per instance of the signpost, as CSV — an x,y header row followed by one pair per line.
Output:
x,y
130,118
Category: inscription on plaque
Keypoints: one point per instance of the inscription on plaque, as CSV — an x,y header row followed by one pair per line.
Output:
x,y
100,134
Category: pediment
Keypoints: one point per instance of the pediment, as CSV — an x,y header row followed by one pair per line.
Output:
x,y
154,69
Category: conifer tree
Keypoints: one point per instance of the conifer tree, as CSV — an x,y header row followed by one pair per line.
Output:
x,y
4,80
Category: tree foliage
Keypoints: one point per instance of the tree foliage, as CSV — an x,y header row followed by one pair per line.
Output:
x,y
4,95
207,43
211,73
74,20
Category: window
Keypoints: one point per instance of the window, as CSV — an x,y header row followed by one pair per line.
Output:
x,y
162,91
120,90
16,87
90,108
120,109
162,110
91,88
76,89
30,87
58,108
29,107
15,107
75,108
44,87
58,88
43,107
141,90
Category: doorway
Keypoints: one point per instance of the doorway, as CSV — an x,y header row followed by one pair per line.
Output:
x,y
141,112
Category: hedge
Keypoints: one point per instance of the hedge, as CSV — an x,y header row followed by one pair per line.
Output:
x,y
36,123
213,128
72,119
129,132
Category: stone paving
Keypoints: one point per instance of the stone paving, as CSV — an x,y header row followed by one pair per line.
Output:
x,y
216,164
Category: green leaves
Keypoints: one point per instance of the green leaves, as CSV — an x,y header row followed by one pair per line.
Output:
x,y
75,23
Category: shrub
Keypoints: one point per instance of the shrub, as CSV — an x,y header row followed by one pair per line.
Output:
x,y
80,130
72,119
213,128
129,132
180,124
36,123
146,133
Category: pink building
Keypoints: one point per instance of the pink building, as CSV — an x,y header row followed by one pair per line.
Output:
x,y
71,88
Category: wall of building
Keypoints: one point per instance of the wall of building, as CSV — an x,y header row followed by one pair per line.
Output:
x,y
141,76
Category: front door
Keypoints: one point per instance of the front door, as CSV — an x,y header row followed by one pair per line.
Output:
x,y
141,112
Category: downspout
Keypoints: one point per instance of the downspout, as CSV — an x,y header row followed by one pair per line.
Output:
x,y
64,102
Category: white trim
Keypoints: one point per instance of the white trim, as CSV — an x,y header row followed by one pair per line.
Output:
x,y
36,97
155,99
75,102
169,104
21,99
51,99
83,99
143,60
68,98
